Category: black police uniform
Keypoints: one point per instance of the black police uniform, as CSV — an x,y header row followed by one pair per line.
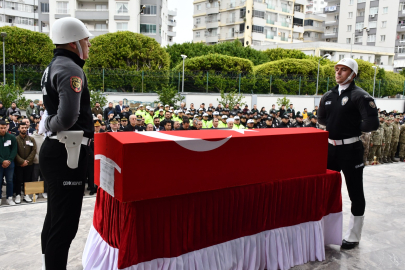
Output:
x,y
314,125
284,125
67,100
298,124
346,116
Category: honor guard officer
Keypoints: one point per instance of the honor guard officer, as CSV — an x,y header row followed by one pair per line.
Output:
x,y
69,123
285,122
347,110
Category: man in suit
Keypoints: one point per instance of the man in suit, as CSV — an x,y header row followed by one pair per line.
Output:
x,y
108,110
119,108
156,124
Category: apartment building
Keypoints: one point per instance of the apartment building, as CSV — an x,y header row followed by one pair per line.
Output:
x,y
99,16
23,14
314,7
314,27
365,22
253,22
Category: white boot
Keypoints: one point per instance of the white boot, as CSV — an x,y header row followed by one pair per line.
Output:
x,y
353,234
43,262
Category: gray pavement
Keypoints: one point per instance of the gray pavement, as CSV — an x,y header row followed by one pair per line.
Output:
x,y
382,245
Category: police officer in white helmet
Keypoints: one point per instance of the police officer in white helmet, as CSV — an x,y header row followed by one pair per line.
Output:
x,y
69,128
347,111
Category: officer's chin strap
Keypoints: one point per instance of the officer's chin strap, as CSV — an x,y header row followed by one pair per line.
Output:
x,y
348,78
80,49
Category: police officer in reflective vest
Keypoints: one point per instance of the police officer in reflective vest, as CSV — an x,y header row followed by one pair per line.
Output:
x,y
68,123
346,111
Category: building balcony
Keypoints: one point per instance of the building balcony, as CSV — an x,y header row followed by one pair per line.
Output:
x,y
172,12
373,17
331,23
299,15
98,32
400,28
330,35
211,38
259,6
301,2
401,13
212,23
270,36
314,28
271,6
92,14
286,10
172,23
258,36
400,42
335,10
171,33
230,20
230,36
270,22
259,21
298,29
313,39
284,24
213,10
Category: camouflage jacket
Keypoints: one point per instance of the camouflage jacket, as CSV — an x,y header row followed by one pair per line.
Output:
x,y
377,137
387,133
402,134
395,132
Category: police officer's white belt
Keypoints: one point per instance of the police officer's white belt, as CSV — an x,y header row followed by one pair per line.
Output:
x,y
85,140
345,141
72,139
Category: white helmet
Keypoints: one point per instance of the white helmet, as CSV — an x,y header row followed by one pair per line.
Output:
x,y
349,62
68,30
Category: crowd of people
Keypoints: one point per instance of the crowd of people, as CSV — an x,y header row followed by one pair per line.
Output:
x,y
19,151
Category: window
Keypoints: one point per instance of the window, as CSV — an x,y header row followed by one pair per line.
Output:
x,y
361,57
335,30
348,40
383,24
385,10
122,8
257,29
382,38
373,11
198,21
372,24
122,26
100,26
62,7
198,7
371,38
148,28
45,7
358,39
317,35
101,7
360,12
149,10
351,2
350,15
212,5
341,56
349,28
336,17
369,59
359,26
197,34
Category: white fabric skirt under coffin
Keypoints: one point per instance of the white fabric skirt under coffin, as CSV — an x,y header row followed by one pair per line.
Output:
x,y
280,248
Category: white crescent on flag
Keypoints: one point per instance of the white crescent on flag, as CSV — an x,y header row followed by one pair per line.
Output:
x,y
193,144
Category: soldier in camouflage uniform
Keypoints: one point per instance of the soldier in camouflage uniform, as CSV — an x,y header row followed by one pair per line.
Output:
x,y
395,137
377,142
365,139
388,137
402,143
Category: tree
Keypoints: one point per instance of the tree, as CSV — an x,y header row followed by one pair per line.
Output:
x,y
232,98
10,94
26,47
234,49
169,95
279,54
124,59
283,101
98,96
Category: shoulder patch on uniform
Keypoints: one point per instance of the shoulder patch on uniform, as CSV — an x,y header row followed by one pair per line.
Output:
x,y
344,100
372,104
76,84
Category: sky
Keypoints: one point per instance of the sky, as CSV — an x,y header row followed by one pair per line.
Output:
x,y
184,19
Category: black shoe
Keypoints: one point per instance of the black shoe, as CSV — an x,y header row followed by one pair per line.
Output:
x,y
349,245
91,193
